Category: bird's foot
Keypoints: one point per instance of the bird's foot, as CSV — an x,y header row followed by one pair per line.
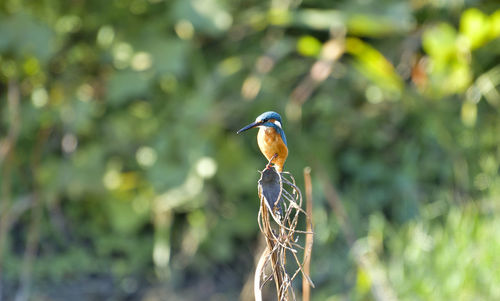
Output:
x,y
270,163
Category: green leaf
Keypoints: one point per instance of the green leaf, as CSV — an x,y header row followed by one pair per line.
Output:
x,y
371,63
24,35
440,41
207,16
309,46
475,26
125,85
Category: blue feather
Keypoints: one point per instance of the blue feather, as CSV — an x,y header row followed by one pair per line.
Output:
x,y
272,115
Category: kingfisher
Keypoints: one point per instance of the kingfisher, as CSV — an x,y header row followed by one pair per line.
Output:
x,y
271,138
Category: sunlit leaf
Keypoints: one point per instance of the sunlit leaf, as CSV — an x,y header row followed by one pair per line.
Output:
x,y
374,65
495,25
475,25
440,41
375,20
308,46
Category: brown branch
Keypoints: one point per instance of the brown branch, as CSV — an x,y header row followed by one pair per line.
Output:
x,y
281,237
271,245
259,270
306,288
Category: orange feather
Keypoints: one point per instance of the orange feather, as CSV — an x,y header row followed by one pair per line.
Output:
x,y
270,144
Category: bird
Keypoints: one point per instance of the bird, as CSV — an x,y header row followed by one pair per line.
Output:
x,y
270,138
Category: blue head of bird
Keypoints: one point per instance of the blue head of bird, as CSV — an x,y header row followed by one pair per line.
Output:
x,y
271,137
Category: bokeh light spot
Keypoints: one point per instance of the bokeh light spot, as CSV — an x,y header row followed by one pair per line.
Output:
x,y
68,24
122,54
112,179
206,167
141,61
146,156
69,143
251,87
184,29
230,66
31,66
85,92
105,36
39,97
374,94
308,46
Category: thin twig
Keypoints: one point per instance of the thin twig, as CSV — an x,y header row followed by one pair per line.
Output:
x,y
271,246
306,288
259,270
283,239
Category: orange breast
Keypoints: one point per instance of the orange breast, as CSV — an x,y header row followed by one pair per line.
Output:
x,y
270,143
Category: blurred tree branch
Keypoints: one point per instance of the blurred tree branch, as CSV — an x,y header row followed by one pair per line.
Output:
x,y
7,147
33,237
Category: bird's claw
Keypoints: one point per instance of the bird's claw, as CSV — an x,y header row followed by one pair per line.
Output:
x,y
270,163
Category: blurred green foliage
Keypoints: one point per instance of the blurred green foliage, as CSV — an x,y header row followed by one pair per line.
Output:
x,y
121,175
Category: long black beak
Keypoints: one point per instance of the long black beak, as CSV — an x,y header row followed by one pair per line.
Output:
x,y
250,126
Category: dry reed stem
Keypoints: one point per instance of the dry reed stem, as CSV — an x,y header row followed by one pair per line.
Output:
x,y
259,270
282,236
306,288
